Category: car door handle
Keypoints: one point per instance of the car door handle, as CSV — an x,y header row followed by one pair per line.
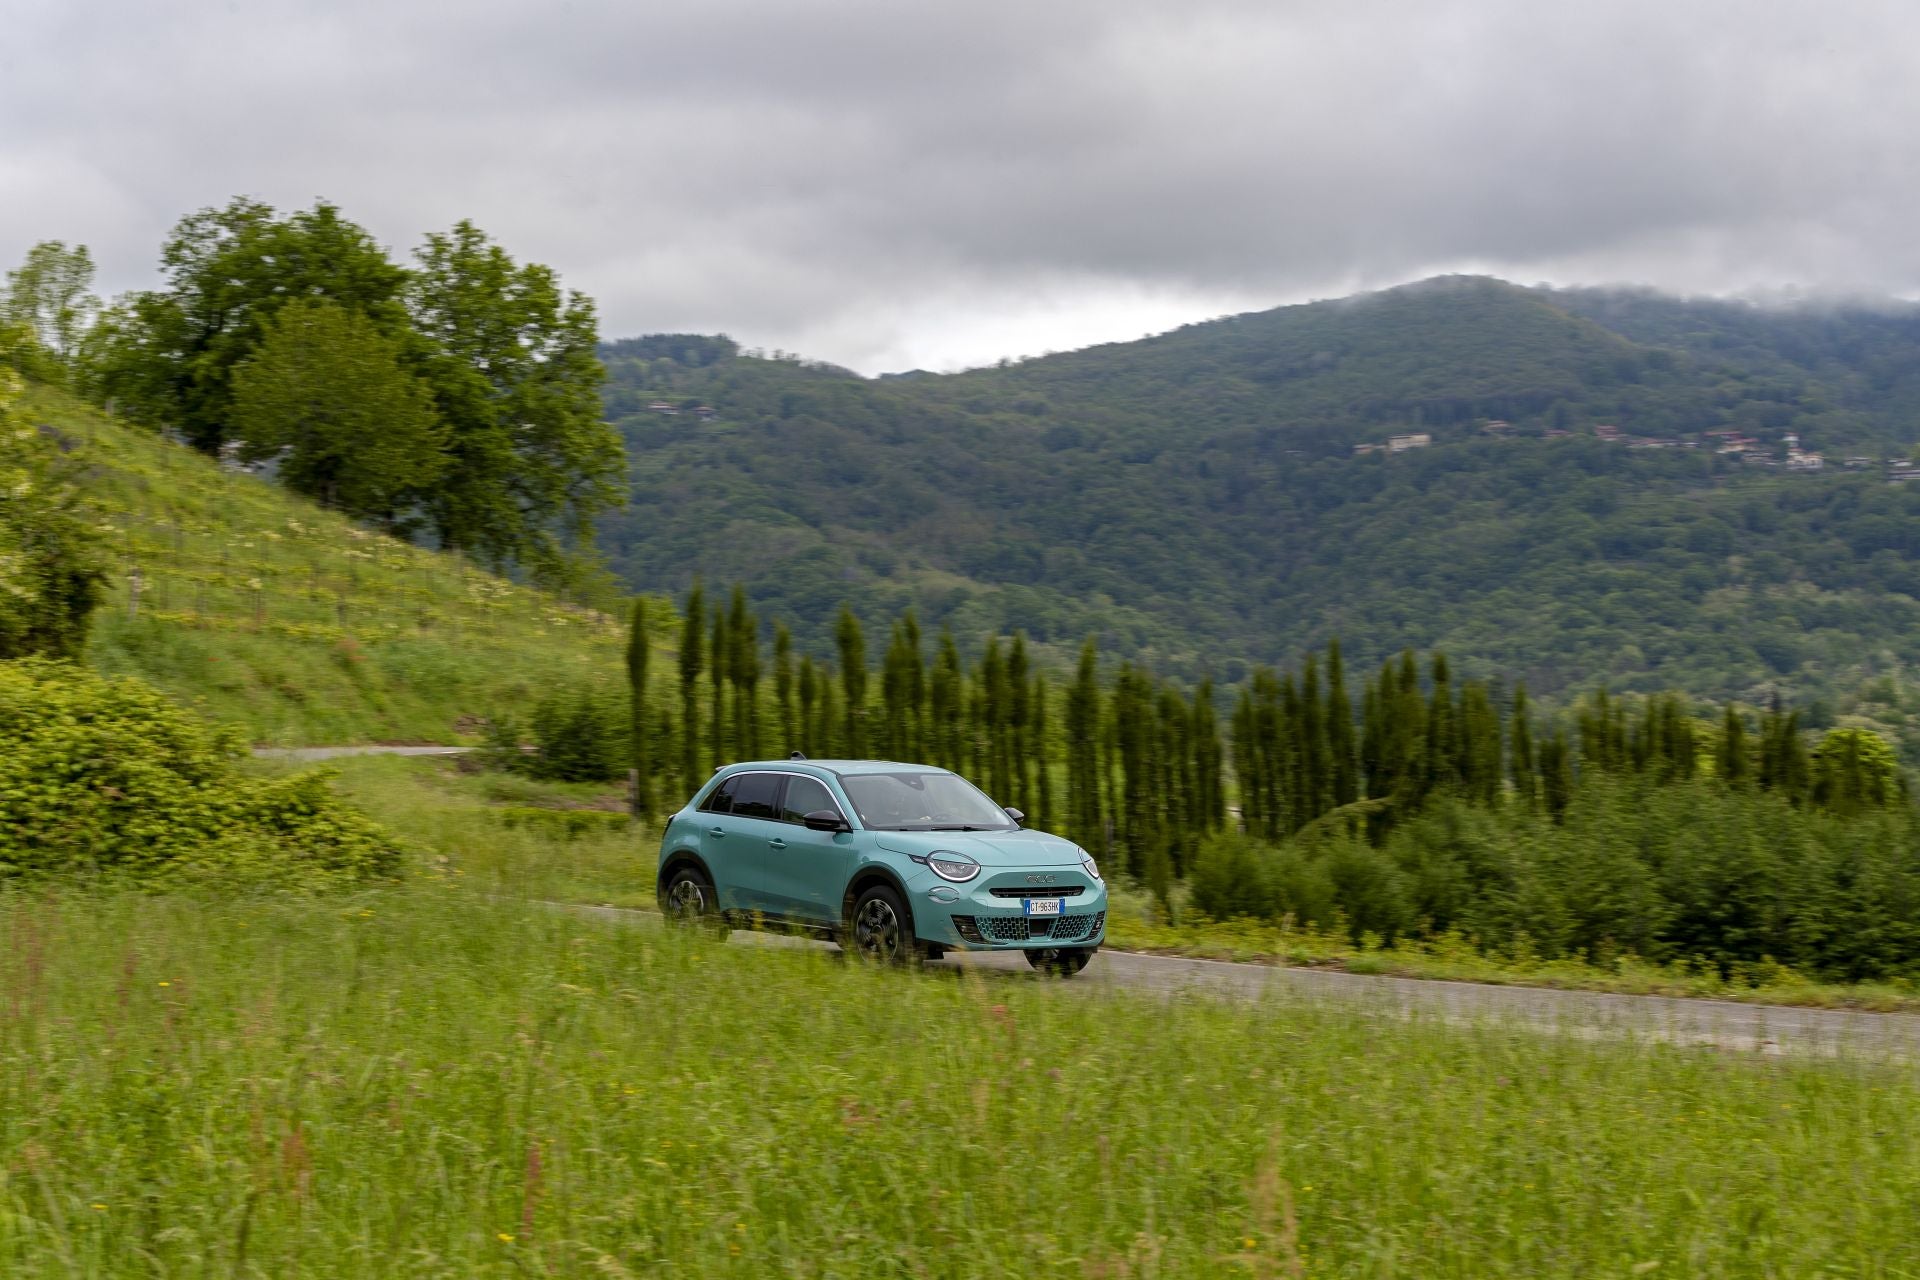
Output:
x,y
777,843
716,831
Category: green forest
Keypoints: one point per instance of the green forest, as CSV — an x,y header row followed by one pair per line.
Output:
x,y
1195,502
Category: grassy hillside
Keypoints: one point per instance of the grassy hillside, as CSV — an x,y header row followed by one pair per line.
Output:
x,y
262,610
1194,498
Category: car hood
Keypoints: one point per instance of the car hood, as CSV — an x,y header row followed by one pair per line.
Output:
x,y
988,848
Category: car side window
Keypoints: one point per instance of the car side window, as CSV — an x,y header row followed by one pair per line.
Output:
x,y
757,796
805,796
721,801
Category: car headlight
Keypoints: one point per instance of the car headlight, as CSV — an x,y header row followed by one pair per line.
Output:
x,y
948,865
1086,860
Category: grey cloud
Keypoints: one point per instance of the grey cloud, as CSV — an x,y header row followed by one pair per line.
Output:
x,y
881,183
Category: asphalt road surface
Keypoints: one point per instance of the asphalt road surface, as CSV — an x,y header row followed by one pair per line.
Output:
x,y
1721,1024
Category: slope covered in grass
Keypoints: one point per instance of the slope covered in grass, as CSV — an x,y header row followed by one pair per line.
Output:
x,y
260,609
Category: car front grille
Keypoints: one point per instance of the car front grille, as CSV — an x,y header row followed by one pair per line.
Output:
x,y
1029,928
1064,891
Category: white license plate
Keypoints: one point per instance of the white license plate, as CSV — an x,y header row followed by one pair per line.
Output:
x,y
1043,906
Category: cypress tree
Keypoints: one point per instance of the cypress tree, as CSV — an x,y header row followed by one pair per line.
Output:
x,y
719,668
1208,764
1442,765
916,690
1522,766
1340,737
1019,748
852,643
810,742
692,637
948,705
1556,774
1316,757
1731,760
1042,754
783,688
640,755
743,666
990,722
1083,750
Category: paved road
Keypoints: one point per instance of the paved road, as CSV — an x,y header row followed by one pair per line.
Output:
x,y
331,753
1722,1024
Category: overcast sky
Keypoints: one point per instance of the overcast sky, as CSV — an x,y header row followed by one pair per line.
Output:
x,y
899,183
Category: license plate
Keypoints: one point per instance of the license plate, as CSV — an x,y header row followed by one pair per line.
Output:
x,y
1043,906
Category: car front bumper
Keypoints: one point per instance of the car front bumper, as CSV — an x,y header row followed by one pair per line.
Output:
x,y
974,917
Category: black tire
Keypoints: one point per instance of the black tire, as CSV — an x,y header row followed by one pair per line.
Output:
x,y
1062,962
880,928
689,902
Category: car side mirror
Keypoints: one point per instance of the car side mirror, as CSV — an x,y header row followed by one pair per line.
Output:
x,y
825,820
1017,816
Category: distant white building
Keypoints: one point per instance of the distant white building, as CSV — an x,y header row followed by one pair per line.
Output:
x,y
1415,440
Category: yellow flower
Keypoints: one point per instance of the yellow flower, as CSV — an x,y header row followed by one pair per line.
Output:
x,y
504,1237
99,1206
166,984
1247,1242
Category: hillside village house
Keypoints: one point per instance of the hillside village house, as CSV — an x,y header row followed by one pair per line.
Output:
x,y
1415,440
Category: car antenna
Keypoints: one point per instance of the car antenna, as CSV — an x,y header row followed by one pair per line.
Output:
x,y
798,755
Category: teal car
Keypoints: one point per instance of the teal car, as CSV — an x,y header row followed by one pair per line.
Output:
x,y
896,862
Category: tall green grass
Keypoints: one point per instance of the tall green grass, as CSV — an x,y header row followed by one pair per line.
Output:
x,y
429,1082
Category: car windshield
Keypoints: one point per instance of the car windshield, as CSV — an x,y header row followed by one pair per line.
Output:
x,y
922,802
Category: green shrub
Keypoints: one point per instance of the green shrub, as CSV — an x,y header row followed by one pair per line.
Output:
x,y
578,736
106,778
50,577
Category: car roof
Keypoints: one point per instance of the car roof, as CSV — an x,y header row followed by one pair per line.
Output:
x,y
842,768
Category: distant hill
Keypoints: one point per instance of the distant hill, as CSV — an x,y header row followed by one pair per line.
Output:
x,y
1195,498
262,610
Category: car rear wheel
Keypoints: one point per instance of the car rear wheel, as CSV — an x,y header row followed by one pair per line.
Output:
x,y
881,929
1063,962
690,903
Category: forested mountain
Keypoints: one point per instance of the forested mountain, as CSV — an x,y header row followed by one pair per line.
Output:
x,y
1195,499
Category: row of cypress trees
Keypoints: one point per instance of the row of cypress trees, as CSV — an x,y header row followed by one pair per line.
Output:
x,y
1136,769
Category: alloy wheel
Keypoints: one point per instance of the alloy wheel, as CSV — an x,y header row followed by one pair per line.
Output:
x,y
876,931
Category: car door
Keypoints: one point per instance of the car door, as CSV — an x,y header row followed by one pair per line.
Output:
x,y
720,847
744,836
811,868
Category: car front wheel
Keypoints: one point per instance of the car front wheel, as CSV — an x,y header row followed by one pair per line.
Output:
x,y
1061,961
689,903
881,930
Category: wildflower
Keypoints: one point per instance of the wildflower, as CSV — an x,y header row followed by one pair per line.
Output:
x,y
98,1207
166,984
1247,1242
504,1237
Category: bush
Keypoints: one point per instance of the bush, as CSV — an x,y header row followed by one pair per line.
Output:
x,y
577,737
50,576
107,778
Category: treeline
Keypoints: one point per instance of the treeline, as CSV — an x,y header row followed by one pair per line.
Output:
x,y
454,397
1417,806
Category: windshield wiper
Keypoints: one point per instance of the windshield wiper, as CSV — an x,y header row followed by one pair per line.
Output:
x,y
966,828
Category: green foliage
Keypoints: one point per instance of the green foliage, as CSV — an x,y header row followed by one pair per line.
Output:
x,y
108,780
167,357
48,299
515,377
563,824
579,735
50,572
325,394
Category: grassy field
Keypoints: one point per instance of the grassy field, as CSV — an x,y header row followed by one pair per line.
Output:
x,y
262,610
431,1082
